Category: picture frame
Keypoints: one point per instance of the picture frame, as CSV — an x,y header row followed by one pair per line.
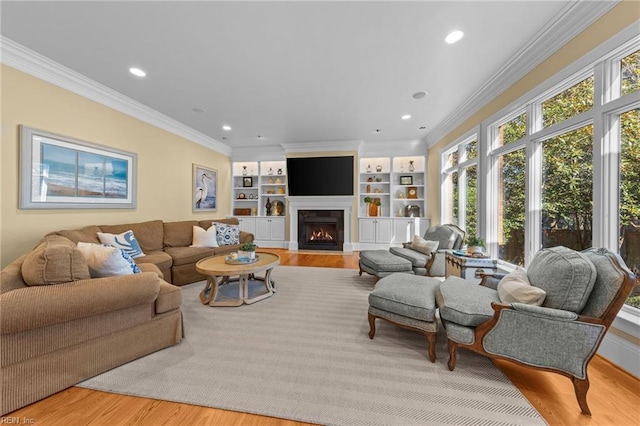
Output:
x,y
62,172
247,182
406,180
204,189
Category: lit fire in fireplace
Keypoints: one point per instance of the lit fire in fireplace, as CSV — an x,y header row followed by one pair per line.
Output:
x,y
320,235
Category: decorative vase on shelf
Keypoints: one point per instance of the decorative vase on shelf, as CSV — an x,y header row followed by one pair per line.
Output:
x,y
368,168
411,166
401,167
270,171
267,207
279,171
368,189
379,210
244,171
378,168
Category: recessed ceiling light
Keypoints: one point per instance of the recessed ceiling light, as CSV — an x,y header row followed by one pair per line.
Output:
x,y
226,127
197,110
454,36
406,116
419,95
377,131
137,72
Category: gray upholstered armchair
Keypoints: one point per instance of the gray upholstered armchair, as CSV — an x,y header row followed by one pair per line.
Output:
x,y
584,292
449,237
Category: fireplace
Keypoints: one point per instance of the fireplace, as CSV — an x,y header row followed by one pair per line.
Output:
x,y
321,229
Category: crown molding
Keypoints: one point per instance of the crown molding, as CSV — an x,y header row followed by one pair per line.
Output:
x,y
328,146
574,18
393,147
39,66
252,153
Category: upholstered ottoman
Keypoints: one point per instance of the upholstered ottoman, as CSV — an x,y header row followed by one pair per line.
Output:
x,y
408,301
382,263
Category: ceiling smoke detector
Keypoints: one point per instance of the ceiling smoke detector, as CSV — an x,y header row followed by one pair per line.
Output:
x,y
419,95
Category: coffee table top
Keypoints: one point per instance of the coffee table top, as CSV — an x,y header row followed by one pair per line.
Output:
x,y
215,265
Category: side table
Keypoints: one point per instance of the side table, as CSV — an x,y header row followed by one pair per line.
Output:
x,y
467,266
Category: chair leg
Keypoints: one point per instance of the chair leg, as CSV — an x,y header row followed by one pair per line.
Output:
x,y
360,273
372,326
452,354
431,338
581,387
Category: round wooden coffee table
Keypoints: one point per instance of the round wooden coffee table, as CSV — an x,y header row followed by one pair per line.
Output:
x,y
219,272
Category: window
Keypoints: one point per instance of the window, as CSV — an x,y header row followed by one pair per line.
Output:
x,y
567,190
511,207
630,71
459,189
512,130
569,103
629,223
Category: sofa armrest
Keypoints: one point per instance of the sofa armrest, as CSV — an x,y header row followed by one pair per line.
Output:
x,y
150,267
40,306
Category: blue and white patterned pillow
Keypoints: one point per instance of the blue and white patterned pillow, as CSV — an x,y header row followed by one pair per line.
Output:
x,y
227,234
125,241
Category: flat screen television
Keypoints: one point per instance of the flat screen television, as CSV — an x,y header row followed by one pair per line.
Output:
x,y
318,176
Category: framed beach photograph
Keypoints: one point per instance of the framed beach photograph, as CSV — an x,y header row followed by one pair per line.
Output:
x,y
205,189
60,172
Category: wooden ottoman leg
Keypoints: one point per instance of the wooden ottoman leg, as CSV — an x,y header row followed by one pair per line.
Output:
x,y
372,325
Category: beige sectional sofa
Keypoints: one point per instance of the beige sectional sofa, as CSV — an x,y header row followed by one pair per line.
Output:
x,y
165,244
59,326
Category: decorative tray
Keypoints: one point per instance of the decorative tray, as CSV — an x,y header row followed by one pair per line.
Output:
x,y
240,260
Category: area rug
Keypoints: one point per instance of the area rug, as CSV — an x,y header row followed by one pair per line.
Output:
x,y
304,354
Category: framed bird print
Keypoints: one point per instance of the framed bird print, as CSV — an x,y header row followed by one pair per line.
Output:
x,y
204,189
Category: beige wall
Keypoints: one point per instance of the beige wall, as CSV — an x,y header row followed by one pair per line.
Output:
x,y
618,18
164,162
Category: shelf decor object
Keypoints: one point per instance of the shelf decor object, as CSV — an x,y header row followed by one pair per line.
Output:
x,y
247,182
412,192
406,180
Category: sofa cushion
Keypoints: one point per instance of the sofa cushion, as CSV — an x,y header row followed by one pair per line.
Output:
x,y
149,234
516,288
126,242
52,263
567,276
179,234
465,303
188,255
407,295
227,234
107,261
229,221
417,259
205,238
159,258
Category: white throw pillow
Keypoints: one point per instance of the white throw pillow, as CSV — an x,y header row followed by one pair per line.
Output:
x,y
424,246
516,288
202,238
106,261
125,241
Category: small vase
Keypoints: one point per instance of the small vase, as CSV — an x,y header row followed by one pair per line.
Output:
x,y
411,166
379,210
244,171
369,168
279,171
270,171
378,168
373,210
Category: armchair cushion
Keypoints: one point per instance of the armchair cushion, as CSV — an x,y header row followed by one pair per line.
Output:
x,y
567,276
516,288
445,236
423,246
417,259
464,303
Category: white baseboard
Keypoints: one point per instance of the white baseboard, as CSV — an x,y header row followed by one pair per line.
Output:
x,y
623,353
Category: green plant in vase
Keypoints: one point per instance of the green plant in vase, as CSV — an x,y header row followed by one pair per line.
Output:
x,y
475,245
367,201
247,251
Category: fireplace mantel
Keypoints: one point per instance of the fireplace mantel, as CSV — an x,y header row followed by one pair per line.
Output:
x,y
344,203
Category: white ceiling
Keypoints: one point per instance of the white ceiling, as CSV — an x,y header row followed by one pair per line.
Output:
x,y
289,71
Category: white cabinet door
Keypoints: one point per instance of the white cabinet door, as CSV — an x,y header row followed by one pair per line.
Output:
x,y
269,229
367,231
248,224
384,230
403,230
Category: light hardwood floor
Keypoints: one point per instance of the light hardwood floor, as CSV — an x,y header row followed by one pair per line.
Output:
x,y
614,396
